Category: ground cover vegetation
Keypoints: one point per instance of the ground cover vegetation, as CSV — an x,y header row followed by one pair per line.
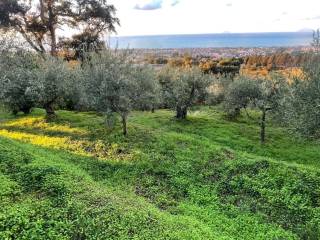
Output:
x,y
201,178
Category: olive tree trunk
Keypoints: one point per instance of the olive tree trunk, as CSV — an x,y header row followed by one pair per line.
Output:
x,y
49,111
181,112
26,110
124,124
263,126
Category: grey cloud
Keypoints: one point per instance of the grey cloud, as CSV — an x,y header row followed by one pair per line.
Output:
x,y
229,4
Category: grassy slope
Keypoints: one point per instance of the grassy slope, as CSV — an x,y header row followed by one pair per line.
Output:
x,y
204,178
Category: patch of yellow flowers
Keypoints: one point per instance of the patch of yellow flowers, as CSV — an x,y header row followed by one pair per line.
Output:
x,y
40,123
82,147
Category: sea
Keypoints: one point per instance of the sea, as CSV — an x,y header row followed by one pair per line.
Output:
x,y
219,40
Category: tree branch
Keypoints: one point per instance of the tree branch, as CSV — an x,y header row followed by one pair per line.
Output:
x,y
26,37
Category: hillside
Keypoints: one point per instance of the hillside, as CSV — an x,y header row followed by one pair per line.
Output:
x,y
202,178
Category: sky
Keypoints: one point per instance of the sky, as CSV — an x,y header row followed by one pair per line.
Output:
x,y
160,17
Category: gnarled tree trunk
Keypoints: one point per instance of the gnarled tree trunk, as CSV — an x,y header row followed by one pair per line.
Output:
x,y
49,111
181,112
124,124
15,112
26,109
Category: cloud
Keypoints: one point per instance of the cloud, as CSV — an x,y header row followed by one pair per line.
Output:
x,y
174,2
155,4
312,18
316,18
284,13
229,4
150,5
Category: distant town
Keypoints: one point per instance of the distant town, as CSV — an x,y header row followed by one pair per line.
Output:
x,y
217,53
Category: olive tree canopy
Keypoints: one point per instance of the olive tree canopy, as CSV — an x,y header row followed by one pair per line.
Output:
x,y
115,85
182,88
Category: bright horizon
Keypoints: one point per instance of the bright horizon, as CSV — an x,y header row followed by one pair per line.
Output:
x,y
176,17
309,30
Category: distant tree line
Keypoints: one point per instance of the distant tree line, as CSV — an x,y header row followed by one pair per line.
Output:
x,y
276,61
232,66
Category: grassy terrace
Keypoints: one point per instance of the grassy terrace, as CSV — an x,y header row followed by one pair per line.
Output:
x,y
203,178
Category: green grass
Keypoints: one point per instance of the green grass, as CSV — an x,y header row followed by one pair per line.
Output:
x,y
202,178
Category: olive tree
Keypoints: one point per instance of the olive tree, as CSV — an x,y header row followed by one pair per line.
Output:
x,y
184,88
115,85
148,91
301,104
51,83
240,94
164,78
270,95
262,94
18,72
74,98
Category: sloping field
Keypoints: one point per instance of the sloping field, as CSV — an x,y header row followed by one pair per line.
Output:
x,y
203,178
